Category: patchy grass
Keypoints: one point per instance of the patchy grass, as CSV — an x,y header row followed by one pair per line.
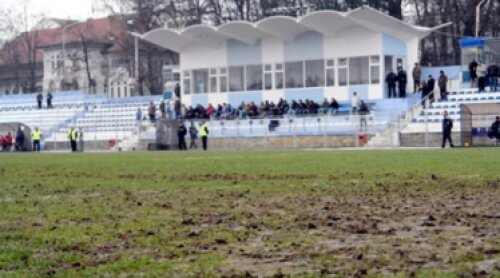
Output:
x,y
375,213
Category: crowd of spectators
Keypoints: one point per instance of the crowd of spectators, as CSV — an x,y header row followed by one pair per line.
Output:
x,y
248,109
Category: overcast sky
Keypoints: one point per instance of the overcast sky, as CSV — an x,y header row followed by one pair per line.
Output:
x,y
73,9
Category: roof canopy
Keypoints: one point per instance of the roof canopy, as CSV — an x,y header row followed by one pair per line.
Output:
x,y
286,28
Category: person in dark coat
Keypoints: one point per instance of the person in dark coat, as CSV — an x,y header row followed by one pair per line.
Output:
x,y
177,109
493,73
431,83
20,140
177,90
447,127
49,100
364,110
494,132
39,100
443,82
391,79
181,133
162,109
402,81
193,133
473,75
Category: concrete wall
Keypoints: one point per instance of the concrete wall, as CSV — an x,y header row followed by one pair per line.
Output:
x,y
435,139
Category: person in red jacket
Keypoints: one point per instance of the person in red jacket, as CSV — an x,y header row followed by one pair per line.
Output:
x,y
8,140
2,143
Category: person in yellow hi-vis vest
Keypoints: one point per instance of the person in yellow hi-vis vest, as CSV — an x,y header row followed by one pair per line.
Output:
x,y
72,136
204,135
36,136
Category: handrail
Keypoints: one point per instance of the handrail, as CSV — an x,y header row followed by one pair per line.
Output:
x,y
416,108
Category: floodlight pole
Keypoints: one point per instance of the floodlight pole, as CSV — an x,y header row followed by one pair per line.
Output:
x,y
478,15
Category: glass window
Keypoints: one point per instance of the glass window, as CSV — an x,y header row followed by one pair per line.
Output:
x,y
223,84
343,62
279,67
388,65
213,71
254,78
294,74
358,70
268,81
375,74
374,59
200,79
278,80
223,71
236,79
187,73
342,76
330,63
315,73
268,67
118,92
330,77
187,86
213,84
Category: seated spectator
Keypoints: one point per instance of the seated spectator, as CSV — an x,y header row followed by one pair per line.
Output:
x,y
494,132
210,111
333,107
8,141
324,107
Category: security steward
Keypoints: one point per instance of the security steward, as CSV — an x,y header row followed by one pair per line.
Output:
x,y
73,136
181,133
204,135
36,136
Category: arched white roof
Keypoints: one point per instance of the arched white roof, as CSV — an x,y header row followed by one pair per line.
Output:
x,y
286,28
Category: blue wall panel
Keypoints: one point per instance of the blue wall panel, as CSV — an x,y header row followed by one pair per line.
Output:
x,y
239,53
235,99
201,99
307,46
393,46
315,94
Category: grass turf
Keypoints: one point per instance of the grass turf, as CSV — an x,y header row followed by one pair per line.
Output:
x,y
211,214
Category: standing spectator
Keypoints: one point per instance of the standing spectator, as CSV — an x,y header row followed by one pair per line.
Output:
x,y
168,110
73,136
177,90
391,79
431,83
473,74
447,127
493,74
20,140
80,140
8,142
138,115
39,100
442,83
416,74
193,133
162,109
36,136
494,132
181,133
152,112
49,100
204,135
402,81
177,109
363,112
481,76
354,103
425,92
2,143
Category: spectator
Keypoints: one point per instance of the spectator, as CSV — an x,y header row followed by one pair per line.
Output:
x,y
181,134
81,143
168,110
162,109
8,140
425,92
363,112
473,74
177,109
39,99
416,74
442,83
431,83
324,107
494,132
204,135
20,140
152,112
481,76
355,103
193,133
402,81
49,100
391,84
36,136
333,107
447,128
210,111
138,115
2,143
493,75
177,91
